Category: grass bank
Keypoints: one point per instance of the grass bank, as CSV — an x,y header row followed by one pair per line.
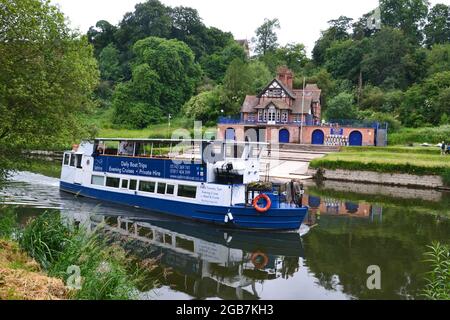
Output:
x,y
416,161
86,265
431,135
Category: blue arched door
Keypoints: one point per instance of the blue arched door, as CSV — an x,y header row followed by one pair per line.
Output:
x,y
284,136
318,137
355,139
230,134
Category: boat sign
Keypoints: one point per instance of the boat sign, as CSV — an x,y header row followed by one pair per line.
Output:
x,y
156,168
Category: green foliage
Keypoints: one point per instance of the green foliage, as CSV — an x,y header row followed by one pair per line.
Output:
x,y
438,279
407,15
438,59
337,31
437,30
216,64
266,36
8,223
384,63
48,75
106,271
164,77
109,63
236,85
432,135
341,107
343,58
429,100
204,107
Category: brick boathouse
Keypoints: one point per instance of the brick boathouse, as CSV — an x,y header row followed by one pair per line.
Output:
x,y
282,114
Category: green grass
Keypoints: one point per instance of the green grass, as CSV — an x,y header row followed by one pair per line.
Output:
x,y
390,160
431,135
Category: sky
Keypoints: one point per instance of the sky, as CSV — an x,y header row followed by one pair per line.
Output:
x,y
301,21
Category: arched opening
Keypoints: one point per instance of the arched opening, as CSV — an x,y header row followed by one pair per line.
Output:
x,y
318,137
355,139
230,134
284,136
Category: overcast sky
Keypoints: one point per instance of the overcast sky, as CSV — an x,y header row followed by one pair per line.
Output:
x,y
301,21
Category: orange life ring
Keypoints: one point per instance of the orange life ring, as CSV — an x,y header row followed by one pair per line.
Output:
x,y
256,260
268,203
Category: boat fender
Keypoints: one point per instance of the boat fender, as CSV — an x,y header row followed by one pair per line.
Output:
x,y
259,260
229,217
268,203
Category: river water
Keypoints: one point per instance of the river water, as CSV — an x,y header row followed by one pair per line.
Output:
x,y
350,228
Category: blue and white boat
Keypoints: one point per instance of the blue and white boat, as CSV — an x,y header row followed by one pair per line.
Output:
x,y
207,181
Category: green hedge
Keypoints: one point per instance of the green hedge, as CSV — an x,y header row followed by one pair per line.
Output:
x,y
382,168
416,150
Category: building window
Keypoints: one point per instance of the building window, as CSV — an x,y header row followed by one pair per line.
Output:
x,y
284,117
161,188
278,115
265,116
113,182
147,186
98,180
133,184
260,116
187,191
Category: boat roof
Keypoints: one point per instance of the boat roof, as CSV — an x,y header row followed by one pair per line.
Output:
x,y
179,141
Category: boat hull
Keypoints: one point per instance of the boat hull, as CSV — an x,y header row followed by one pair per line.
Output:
x,y
243,217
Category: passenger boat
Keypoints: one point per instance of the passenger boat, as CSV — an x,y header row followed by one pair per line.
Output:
x,y
208,181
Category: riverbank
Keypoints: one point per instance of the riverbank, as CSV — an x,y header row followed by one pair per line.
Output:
x,y
21,277
51,259
413,167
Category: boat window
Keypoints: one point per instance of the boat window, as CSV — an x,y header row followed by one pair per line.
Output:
x,y
72,160
113,182
98,180
168,239
187,191
126,148
66,159
145,232
185,244
79,158
161,188
147,186
125,184
170,189
133,184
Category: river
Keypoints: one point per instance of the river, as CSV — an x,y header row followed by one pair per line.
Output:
x,y
350,228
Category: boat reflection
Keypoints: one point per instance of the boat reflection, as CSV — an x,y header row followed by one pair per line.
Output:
x,y
205,261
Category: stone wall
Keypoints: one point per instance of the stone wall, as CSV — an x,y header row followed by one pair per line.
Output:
x,y
395,179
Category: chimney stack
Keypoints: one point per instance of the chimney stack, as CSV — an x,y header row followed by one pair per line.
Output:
x,y
286,76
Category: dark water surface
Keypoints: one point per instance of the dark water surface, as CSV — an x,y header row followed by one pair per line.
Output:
x,y
351,227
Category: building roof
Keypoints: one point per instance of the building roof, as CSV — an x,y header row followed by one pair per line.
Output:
x,y
282,85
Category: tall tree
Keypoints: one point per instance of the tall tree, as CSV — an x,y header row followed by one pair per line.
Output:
x,y
338,30
101,35
164,77
406,15
266,36
47,74
150,18
437,30
109,63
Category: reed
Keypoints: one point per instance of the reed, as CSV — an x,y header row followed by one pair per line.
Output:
x,y
106,271
438,279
